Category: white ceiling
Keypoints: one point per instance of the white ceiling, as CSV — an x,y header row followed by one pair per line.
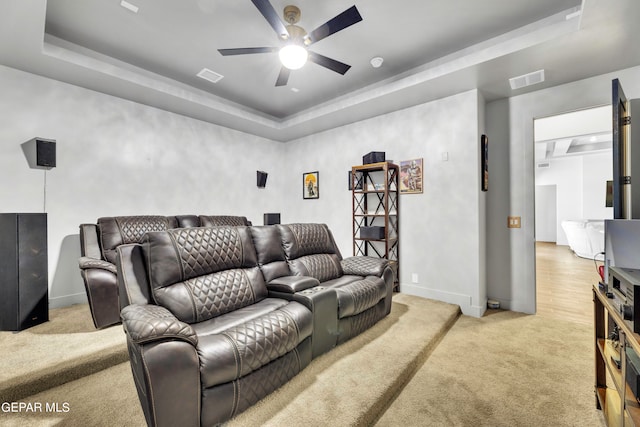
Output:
x,y
431,49
575,133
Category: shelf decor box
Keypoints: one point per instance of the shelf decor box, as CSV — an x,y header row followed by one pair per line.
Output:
x,y
372,232
373,157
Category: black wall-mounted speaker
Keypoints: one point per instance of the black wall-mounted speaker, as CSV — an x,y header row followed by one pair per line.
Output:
x,y
40,153
262,178
271,218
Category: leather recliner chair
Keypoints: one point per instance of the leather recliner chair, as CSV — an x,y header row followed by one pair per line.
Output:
x,y
205,338
301,262
98,243
363,285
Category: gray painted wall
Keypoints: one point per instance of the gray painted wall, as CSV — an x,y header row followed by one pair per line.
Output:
x,y
511,252
116,157
441,230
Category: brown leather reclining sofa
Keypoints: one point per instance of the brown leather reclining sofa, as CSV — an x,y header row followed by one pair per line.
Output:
x,y
216,318
98,243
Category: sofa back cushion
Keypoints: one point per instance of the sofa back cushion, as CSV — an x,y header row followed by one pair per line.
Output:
x,y
311,251
202,272
185,221
121,230
271,257
224,220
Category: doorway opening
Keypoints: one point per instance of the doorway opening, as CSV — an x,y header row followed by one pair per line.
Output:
x,y
573,163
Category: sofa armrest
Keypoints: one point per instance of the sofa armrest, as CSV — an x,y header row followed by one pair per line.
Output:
x,y
86,262
147,323
292,284
364,266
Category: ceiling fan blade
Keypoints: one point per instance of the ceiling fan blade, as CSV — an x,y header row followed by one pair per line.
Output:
x,y
283,77
246,50
272,17
332,64
340,22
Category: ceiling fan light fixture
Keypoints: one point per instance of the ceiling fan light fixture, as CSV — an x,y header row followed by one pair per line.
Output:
x,y
293,56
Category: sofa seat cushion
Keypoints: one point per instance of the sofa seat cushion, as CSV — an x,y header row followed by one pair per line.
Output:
x,y
269,332
354,297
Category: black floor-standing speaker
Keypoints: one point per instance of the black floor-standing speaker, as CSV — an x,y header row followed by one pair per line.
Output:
x,y
24,289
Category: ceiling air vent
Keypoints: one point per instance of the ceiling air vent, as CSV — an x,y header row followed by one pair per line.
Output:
x,y
544,165
527,79
212,76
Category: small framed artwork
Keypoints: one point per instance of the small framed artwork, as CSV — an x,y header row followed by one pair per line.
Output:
x,y
310,185
484,167
411,176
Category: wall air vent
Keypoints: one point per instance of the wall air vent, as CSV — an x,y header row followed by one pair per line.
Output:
x,y
544,165
209,75
527,80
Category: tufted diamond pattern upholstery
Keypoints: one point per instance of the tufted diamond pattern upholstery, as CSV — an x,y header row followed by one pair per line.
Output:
x,y
220,293
203,272
241,349
309,239
132,228
364,294
225,220
259,341
364,265
208,337
149,322
206,250
267,380
122,230
320,266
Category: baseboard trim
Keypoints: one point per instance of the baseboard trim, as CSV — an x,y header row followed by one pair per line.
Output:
x,y
464,301
67,300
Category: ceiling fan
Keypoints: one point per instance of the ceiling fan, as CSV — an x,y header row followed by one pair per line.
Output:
x,y
295,53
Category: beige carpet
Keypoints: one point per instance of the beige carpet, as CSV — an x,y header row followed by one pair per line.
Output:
x,y
65,348
351,385
505,369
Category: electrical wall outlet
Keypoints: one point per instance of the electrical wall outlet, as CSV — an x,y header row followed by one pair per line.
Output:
x,y
414,278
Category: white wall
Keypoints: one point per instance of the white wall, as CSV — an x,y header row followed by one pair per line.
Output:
x,y
511,252
546,215
441,230
581,188
116,157
566,174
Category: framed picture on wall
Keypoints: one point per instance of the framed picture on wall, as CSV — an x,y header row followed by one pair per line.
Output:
x,y
310,185
411,176
484,155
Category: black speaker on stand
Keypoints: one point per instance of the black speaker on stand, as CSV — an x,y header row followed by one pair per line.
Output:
x,y
24,283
